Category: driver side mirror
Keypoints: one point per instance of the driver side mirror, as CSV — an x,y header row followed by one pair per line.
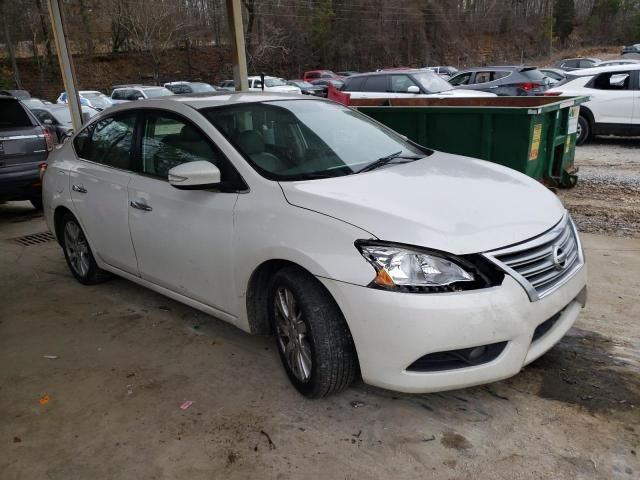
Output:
x,y
198,175
413,89
47,121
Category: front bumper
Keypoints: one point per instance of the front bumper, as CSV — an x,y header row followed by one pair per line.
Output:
x,y
391,330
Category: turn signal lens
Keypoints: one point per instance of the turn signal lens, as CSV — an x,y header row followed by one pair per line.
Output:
x,y
384,279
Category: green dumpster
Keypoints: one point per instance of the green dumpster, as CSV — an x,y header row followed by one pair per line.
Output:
x,y
534,135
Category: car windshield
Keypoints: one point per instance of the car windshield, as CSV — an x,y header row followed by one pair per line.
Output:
x,y
274,82
202,88
157,92
306,139
62,115
432,82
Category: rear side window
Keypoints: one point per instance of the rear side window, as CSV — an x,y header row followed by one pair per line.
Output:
x,y
533,74
111,142
13,115
118,95
377,83
611,81
500,74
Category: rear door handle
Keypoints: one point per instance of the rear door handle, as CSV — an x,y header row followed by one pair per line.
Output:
x,y
78,188
140,206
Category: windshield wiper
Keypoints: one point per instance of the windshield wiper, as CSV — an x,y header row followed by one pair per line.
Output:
x,y
389,158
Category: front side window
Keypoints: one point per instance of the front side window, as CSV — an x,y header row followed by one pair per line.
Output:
x,y
111,141
432,82
587,63
401,83
274,82
461,79
303,139
482,77
169,141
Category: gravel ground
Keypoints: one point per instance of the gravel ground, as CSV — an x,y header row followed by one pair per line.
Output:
x,y
607,197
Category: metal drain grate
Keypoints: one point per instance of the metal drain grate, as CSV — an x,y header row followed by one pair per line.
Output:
x,y
34,239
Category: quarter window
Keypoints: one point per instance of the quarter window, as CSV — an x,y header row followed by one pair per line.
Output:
x,y
110,142
169,141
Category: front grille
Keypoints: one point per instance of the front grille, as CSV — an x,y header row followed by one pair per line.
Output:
x,y
544,263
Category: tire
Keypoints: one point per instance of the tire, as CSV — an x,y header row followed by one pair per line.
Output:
x,y
78,254
322,360
36,202
584,130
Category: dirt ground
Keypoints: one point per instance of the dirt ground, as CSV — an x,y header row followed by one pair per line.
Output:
x,y
123,359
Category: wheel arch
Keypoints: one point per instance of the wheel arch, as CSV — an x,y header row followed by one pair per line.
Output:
x,y
588,114
58,215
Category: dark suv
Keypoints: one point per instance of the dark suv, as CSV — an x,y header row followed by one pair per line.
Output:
x,y
570,64
509,81
24,145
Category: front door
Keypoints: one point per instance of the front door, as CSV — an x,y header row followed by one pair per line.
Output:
x,y
182,238
613,99
99,188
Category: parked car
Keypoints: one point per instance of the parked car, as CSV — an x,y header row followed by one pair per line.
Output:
x,y
323,85
89,98
189,87
228,85
24,146
510,81
271,84
631,49
347,73
445,72
555,75
58,118
404,84
570,64
306,88
614,108
127,94
311,75
302,217
621,61
20,94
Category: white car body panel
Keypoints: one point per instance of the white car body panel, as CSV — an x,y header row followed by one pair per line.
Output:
x,y
202,247
253,81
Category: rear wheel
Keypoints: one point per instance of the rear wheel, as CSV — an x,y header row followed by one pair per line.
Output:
x,y
312,337
584,130
78,253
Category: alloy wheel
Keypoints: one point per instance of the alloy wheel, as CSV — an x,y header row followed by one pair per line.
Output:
x,y
75,243
292,334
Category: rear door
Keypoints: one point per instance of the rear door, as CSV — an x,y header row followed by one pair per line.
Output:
x,y
613,98
22,144
99,184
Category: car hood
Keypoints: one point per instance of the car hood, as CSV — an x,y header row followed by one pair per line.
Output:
x,y
445,202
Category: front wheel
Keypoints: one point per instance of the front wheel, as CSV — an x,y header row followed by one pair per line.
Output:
x,y
584,130
312,337
78,253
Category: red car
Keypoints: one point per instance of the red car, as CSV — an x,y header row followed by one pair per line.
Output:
x,y
310,75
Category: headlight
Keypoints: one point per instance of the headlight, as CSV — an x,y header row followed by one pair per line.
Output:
x,y
406,269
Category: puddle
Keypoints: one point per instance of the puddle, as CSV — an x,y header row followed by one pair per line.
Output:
x,y
586,369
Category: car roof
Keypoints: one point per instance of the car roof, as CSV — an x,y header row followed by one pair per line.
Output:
x,y
389,72
611,68
215,99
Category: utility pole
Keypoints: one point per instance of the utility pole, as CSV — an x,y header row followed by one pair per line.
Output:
x,y
238,54
56,14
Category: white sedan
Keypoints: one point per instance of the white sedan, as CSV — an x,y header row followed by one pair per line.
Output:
x,y
362,252
271,84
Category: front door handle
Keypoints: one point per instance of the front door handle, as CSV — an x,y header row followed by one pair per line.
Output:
x,y
140,206
78,188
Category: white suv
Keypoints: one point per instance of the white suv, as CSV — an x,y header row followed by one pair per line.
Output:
x,y
127,94
360,251
614,108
